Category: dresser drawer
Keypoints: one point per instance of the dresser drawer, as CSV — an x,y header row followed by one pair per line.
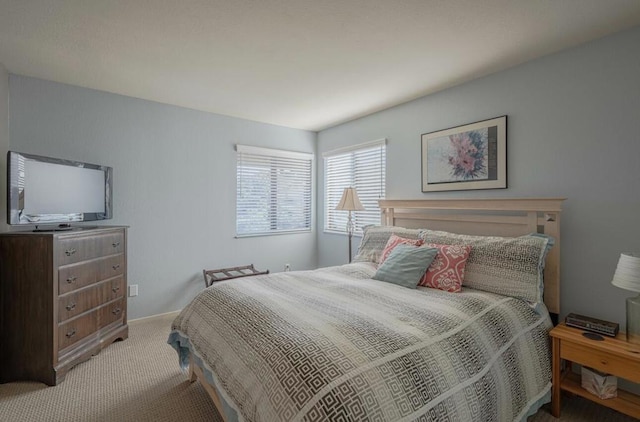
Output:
x,y
112,289
79,301
72,331
111,313
73,277
77,249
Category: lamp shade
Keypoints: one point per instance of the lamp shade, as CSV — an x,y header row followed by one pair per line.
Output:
x,y
627,275
350,201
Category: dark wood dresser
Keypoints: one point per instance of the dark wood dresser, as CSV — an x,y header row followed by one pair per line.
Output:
x,y
62,299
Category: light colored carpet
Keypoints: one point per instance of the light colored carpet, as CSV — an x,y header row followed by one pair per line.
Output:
x,y
133,380
139,380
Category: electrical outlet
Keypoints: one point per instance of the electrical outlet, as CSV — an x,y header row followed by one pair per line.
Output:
x,y
287,267
133,290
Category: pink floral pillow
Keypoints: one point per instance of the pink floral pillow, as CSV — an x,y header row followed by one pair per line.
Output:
x,y
394,241
446,272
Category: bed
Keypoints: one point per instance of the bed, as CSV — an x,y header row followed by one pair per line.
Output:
x,y
335,344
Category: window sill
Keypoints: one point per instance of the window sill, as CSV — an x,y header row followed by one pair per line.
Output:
x,y
242,236
340,233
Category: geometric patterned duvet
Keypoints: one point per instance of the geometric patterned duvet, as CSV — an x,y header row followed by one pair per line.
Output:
x,y
334,345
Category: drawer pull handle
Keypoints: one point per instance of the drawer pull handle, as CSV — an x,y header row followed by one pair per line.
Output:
x,y
71,307
115,267
115,289
71,279
71,333
70,252
116,311
115,244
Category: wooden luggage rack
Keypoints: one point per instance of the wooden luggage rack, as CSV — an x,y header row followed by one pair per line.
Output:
x,y
220,274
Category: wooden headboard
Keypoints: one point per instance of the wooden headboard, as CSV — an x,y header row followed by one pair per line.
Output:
x,y
487,217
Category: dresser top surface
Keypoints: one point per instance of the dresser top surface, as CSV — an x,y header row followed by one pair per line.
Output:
x,y
78,230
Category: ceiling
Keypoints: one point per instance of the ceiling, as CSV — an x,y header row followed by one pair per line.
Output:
x,y
307,64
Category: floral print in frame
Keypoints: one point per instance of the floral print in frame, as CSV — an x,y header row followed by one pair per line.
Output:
x,y
472,156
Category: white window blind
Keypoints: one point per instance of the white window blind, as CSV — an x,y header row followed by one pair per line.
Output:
x,y
362,167
273,191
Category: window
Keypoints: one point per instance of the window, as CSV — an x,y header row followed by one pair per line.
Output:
x,y
273,191
362,167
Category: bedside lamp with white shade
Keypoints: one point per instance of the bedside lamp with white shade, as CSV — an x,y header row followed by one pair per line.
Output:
x,y
627,276
350,202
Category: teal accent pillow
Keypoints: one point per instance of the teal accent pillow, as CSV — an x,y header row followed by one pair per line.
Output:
x,y
406,265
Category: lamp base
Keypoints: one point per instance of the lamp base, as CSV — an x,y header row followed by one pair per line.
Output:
x,y
350,228
633,319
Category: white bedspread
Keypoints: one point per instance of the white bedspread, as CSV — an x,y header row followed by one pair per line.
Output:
x,y
332,344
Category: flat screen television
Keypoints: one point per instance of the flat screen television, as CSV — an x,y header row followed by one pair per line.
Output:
x,y
51,191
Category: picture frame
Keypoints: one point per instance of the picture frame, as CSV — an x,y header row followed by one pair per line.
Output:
x,y
468,157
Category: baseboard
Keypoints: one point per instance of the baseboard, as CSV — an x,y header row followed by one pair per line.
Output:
x,y
154,316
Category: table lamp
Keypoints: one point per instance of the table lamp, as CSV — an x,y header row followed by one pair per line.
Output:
x,y
350,202
627,276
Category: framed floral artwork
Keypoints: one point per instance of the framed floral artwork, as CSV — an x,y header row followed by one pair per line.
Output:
x,y
472,156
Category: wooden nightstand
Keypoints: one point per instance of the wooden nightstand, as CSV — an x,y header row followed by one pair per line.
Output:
x,y
612,355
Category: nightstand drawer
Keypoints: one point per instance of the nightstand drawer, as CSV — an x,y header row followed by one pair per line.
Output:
x,y
72,277
601,360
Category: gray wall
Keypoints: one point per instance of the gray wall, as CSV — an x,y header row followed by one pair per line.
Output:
x,y
573,131
4,143
174,182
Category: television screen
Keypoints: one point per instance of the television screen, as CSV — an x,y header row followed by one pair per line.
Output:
x,y
47,190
